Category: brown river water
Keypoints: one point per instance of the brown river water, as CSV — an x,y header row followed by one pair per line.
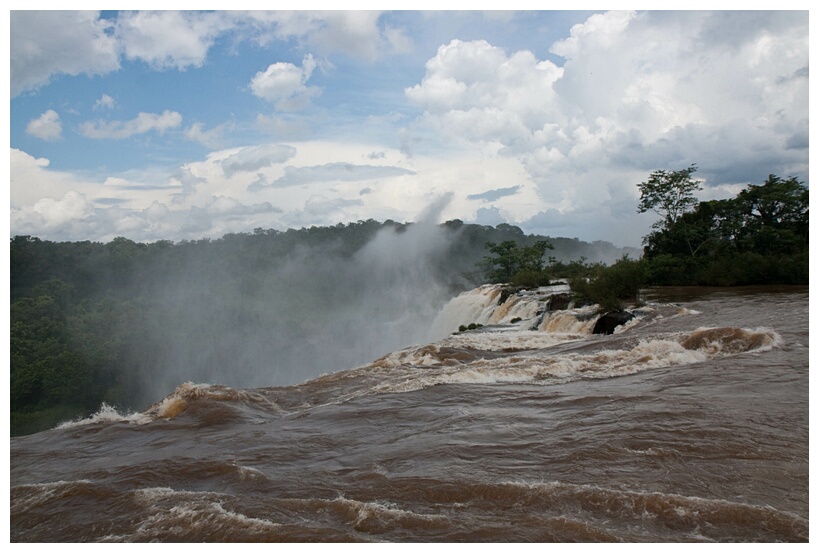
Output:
x,y
688,424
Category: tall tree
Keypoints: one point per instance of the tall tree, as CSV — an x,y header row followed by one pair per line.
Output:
x,y
670,194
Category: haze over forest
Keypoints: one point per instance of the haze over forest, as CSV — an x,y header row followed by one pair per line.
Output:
x,y
126,322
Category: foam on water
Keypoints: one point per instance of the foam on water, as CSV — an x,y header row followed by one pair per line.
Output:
x,y
26,496
432,365
508,341
188,393
107,414
185,513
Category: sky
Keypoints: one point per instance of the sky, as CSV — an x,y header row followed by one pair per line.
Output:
x,y
181,125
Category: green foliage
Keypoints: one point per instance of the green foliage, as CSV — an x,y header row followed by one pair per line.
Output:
x,y
610,286
758,237
519,264
530,278
669,193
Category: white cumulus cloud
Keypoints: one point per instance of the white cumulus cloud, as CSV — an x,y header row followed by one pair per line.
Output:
x,y
169,39
475,90
46,127
285,84
59,217
46,43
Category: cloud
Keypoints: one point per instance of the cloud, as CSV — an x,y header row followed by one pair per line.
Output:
x,y
212,138
169,39
48,43
285,84
253,158
46,127
490,216
345,172
44,44
74,215
355,33
185,177
105,102
496,194
141,124
476,92
32,179
322,206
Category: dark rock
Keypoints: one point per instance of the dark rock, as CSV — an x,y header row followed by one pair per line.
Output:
x,y
607,323
507,291
559,302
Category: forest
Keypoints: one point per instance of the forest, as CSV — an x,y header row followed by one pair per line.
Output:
x,y
122,323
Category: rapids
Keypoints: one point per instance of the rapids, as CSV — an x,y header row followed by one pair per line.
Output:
x,y
689,423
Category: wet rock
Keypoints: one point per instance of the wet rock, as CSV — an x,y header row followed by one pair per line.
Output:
x,y
608,322
560,302
507,291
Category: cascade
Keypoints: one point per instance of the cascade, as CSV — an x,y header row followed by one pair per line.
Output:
x,y
472,306
480,306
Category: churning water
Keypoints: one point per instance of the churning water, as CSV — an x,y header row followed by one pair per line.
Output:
x,y
689,423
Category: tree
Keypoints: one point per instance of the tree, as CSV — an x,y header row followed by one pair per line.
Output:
x,y
670,195
777,209
513,260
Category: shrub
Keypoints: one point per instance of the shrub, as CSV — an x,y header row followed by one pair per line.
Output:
x,y
530,278
609,286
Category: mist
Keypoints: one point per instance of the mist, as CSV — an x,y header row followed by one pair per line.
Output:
x,y
315,312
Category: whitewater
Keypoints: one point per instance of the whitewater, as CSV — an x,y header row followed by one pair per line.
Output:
x,y
687,423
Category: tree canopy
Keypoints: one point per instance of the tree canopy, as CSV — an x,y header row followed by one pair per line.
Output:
x,y
669,194
758,237
513,261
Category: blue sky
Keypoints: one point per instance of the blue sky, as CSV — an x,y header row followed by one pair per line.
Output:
x,y
183,125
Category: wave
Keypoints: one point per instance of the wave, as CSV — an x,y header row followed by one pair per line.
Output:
x,y
697,516
483,358
217,398
27,496
107,414
191,516
532,359
188,394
